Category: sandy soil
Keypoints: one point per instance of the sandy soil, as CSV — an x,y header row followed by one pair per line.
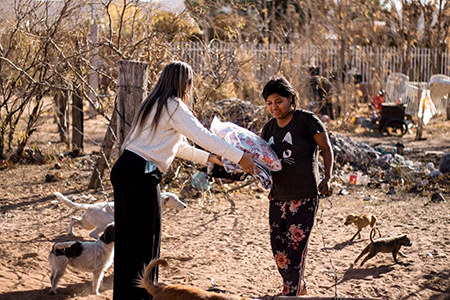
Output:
x,y
227,238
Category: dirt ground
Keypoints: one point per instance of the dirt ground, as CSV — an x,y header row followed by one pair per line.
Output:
x,y
227,239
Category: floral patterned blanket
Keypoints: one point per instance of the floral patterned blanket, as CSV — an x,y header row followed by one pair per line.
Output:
x,y
264,157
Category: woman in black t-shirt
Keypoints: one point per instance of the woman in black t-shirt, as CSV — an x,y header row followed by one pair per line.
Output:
x,y
296,137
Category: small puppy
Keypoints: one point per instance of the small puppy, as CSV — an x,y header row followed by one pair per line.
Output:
x,y
88,256
177,291
98,215
361,222
384,245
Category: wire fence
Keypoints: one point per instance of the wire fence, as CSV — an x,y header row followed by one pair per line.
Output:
x,y
369,63
400,89
404,75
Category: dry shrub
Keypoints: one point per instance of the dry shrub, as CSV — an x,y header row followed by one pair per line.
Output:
x,y
242,113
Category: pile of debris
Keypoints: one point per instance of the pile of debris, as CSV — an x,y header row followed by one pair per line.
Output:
x,y
355,162
357,154
239,112
361,164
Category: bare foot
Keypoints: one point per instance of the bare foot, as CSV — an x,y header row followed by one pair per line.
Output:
x,y
303,292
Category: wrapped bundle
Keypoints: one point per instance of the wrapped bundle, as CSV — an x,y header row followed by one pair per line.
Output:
x,y
264,157
247,141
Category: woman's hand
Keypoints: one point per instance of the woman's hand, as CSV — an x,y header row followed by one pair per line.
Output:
x,y
215,159
324,187
247,164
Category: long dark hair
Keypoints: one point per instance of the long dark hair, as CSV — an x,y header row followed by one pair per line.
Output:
x,y
173,82
282,87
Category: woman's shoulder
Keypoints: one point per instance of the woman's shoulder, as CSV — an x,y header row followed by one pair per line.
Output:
x,y
303,113
310,119
174,103
305,116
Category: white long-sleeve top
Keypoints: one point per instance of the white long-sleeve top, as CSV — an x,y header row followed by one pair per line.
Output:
x,y
167,141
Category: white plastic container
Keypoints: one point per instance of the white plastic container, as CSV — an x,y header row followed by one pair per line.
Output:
x,y
357,179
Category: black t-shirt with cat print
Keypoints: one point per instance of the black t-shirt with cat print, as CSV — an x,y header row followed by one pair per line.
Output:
x,y
295,146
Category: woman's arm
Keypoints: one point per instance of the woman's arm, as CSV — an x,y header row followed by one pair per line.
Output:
x,y
183,121
188,152
328,158
215,159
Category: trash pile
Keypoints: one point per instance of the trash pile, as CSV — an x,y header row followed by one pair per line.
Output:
x,y
357,154
382,167
356,163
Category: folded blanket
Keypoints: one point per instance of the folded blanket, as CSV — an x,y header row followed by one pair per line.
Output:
x,y
247,141
264,157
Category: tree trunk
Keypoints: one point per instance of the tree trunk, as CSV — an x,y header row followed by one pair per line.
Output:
x,y
61,99
105,153
419,131
31,127
77,121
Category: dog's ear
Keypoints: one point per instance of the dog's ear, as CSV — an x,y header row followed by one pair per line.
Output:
x,y
405,240
108,235
74,250
404,237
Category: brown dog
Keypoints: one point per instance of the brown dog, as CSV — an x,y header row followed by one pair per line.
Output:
x,y
361,222
384,245
177,291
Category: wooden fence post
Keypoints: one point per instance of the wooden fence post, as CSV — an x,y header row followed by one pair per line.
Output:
x,y
132,89
448,107
92,90
77,120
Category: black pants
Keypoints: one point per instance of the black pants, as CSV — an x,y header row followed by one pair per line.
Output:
x,y
137,224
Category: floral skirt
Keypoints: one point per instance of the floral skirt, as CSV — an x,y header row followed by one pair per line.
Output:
x,y
291,223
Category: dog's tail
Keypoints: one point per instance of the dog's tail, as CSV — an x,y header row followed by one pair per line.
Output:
x,y
144,280
69,203
373,221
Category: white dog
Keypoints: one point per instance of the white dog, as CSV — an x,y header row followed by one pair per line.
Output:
x,y
98,215
87,256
